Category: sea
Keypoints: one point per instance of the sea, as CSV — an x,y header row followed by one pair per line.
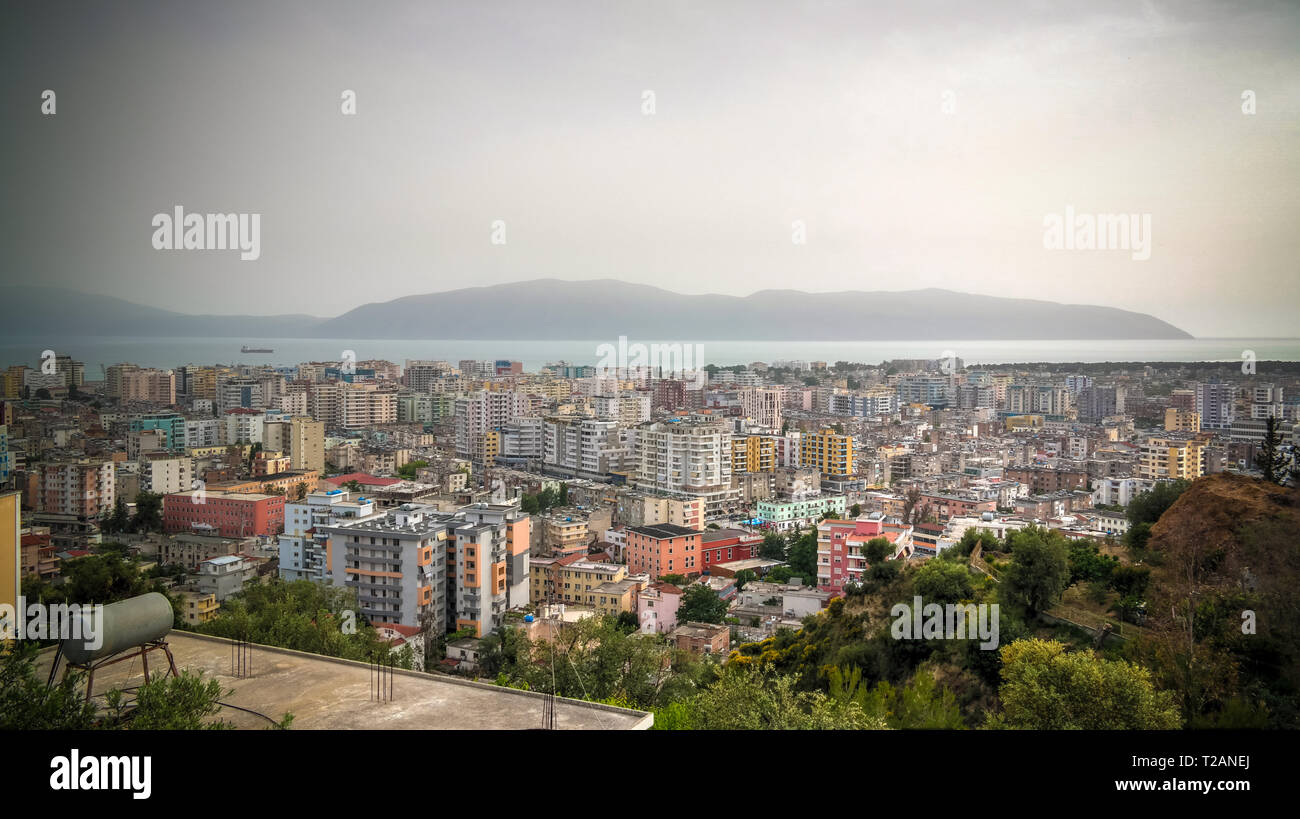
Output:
x,y
99,352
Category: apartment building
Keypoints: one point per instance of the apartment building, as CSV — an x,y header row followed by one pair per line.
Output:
x,y
663,549
1171,458
367,404
627,408
300,437
1214,403
1182,420
1097,402
753,453
1118,491
657,606
227,514
396,563
588,447
829,452
172,424
84,487
204,432
478,416
763,405
787,515
490,565
725,545
839,548
690,457
933,390
164,473
127,382
244,425
1047,399
635,508
305,544
574,579
239,393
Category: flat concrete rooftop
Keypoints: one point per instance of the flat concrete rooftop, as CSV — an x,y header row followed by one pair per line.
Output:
x,y
326,692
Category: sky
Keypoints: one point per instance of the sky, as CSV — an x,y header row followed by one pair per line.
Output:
x,y
820,146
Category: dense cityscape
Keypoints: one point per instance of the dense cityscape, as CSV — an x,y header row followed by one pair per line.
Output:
x,y
378,384
474,515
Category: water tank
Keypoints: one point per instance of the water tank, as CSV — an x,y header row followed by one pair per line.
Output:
x,y
120,626
528,618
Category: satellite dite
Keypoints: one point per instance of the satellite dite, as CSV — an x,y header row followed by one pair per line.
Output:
x,y
126,629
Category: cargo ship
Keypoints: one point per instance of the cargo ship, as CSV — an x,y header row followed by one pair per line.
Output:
x,y
247,349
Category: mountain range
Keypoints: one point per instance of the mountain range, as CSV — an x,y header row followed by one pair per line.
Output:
x,y
552,309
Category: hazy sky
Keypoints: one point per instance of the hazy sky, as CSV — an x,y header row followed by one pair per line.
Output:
x,y
922,145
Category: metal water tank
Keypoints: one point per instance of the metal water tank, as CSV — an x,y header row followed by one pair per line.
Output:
x,y
120,626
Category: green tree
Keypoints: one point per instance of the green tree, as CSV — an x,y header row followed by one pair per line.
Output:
x,y
184,703
25,704
743,577
1044,687
148,513
753,698
1088,563
1039,570
701,604
1147,507
773,547
803,557
408,469
943,582
877,549
922,704
119,520
855,510
300,615
1271,459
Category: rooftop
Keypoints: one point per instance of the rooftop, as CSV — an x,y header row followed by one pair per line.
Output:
x,y
663,530
326,692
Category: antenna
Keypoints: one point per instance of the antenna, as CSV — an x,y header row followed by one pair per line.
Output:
x,y
241,657
381,678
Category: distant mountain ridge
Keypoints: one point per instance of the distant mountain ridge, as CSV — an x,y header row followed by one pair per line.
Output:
x,y
553,309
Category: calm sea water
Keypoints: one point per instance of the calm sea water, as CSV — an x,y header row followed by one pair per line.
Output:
x,y
173,352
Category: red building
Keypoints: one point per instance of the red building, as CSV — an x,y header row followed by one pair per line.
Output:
x,y
228,514
664,548
839,548
723,545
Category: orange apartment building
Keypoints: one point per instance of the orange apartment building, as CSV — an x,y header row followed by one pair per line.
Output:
x,y
664,548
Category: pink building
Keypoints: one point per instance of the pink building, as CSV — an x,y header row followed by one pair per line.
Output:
x,y
656,608
839,548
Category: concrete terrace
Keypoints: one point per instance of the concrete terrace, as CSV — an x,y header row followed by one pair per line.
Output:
x,y
326,692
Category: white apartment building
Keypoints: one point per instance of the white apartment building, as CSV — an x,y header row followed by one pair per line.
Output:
x,y
303,546
165,474
586,446
763,406
203,432
481,412
367,405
